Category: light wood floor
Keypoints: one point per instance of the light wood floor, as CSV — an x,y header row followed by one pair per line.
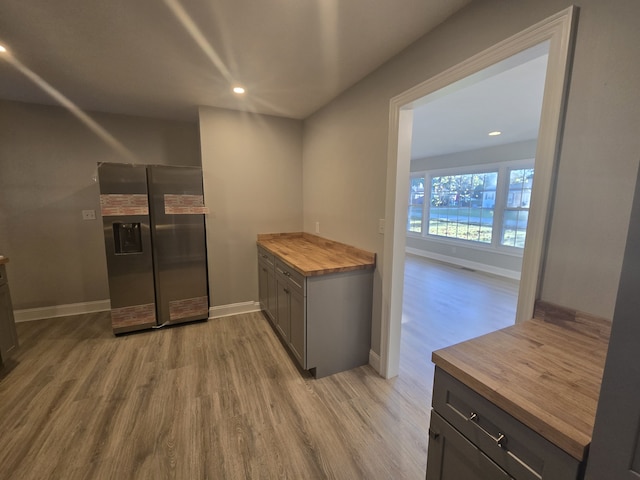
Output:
x,y
444,305
222,399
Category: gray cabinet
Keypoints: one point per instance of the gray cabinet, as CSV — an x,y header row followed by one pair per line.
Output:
x,y
298,327
283,310
267,290
8,334
453,457
499,444
291,310
615,448
323,320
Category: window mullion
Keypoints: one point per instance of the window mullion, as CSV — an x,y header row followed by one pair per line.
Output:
x,y
501,204
426,204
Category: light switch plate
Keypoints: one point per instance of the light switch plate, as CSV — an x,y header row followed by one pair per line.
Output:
x,y
381,226
88,214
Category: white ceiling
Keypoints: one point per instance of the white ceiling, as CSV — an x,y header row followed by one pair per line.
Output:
x,y
163,58
506,97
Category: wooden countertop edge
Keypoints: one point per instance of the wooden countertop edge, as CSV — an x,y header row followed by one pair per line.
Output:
x,y
319,272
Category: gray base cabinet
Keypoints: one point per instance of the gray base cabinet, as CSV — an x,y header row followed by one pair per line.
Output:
x,y
472,438
298,328
291,312
324,320
453,457
267,283
8,334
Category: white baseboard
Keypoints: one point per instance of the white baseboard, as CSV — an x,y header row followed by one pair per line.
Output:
x,y
374,360
481,267
233,309
29,314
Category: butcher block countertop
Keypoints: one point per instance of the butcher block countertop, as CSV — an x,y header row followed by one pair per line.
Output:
x,y
545,372
3,260
312,255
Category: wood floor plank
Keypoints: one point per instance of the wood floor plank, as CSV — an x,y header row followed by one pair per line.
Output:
x,y
223,400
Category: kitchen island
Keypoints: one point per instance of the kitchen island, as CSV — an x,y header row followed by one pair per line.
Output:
x,y
317,294
522,399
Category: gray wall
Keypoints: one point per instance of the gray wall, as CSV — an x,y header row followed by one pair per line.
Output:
x,y
491,258
47,168
345,143
253,184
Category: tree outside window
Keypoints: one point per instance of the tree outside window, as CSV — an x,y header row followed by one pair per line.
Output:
x,y
461,206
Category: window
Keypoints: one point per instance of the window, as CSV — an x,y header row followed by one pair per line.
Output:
x,y
516,212
416,202
461,206
472,206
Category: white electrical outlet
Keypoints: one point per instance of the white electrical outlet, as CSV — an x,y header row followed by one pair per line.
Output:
x,y
317,227
381,226
88,214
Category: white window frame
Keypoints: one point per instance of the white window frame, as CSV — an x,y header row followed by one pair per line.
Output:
x,y
502,191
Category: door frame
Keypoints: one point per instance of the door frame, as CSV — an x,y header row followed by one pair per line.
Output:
x,y
559,31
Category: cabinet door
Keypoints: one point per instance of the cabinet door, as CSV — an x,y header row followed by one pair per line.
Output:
x,y
283,308
263,286
8,335
271,293
452,457
298,340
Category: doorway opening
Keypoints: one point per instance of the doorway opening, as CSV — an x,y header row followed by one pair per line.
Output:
x,y
558,32
472,170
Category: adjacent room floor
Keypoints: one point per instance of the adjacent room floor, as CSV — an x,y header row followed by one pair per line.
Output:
x,y
222,400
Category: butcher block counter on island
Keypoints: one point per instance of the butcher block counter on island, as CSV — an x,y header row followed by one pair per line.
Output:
x,y
318,296
524,396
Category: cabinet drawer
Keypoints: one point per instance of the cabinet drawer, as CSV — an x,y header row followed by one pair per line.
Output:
x,y
520,451
295,279
265,257
452,457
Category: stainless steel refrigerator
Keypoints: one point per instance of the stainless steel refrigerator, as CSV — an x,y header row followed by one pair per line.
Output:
x,y
154,234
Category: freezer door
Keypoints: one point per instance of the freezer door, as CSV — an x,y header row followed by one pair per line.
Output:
x,y
178,236
127,238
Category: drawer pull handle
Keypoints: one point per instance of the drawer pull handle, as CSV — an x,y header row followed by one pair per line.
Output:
x,y
500,439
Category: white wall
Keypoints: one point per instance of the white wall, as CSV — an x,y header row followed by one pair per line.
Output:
x,y
345,143
48,161
252,168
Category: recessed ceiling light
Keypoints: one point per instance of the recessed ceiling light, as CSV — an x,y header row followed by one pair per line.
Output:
x,y
238,90
495,134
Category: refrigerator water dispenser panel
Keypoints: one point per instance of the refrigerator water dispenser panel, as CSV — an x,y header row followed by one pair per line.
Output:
x,y
127,238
